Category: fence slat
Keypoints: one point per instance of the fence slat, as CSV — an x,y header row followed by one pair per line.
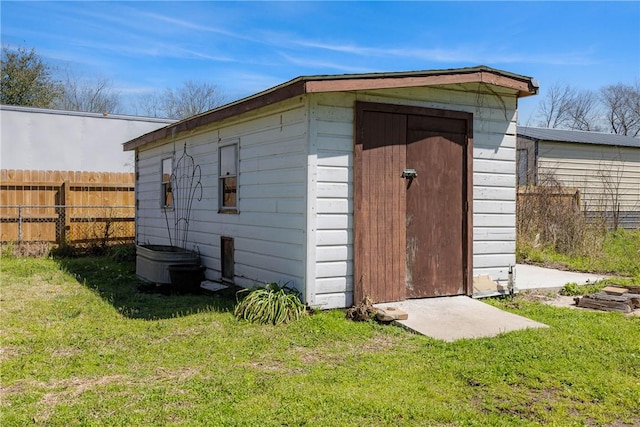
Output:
x,y
66,206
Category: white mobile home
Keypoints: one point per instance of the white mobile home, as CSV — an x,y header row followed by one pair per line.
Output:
x,y
44,139
604,167
389,185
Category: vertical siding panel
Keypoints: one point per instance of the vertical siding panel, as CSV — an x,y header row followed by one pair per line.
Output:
x,y
310,283
399,244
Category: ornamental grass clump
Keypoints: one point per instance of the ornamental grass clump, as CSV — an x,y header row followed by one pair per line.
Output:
x,y
273,304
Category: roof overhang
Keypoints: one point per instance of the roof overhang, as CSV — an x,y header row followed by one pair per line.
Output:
x,y
521,85
577,137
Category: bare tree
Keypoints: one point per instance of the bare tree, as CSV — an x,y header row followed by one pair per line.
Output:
x,y
555,108
611,179
190,99
149,104
569,108
622,106
93,95
584,111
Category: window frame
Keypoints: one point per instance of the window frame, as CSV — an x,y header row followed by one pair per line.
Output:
x,y
235,143
166,184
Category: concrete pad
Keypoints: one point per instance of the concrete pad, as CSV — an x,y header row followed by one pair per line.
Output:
x,y
529,277
458,317
212,286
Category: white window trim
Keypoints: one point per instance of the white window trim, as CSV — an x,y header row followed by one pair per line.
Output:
x,y
163,182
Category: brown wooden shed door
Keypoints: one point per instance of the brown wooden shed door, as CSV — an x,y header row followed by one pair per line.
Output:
x,y
412,236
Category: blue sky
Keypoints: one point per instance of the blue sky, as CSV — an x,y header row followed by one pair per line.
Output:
x,y
246,47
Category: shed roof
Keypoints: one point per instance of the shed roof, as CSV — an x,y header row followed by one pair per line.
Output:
x,y
524,86
580,137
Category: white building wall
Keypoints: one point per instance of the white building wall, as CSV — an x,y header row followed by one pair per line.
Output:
x,y
269,230
598,171
493,175
42,139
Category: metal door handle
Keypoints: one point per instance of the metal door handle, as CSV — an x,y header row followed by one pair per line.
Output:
x,y
409,174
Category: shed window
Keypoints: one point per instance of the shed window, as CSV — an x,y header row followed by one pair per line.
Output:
x,y
228,166
166,191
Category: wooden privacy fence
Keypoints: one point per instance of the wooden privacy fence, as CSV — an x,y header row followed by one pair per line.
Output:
x,y
563,196
78,208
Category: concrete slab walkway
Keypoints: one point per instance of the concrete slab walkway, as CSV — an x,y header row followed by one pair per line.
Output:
x,y
529,277
458,317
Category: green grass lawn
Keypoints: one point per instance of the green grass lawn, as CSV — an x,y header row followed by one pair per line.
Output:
x,y
81,346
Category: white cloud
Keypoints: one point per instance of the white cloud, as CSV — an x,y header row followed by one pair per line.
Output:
x,y
193,26
456,54
324,64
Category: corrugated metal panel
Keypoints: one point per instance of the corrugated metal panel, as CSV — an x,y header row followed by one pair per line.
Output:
x,y
561,135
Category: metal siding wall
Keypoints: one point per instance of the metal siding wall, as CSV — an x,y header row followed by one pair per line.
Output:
x,y
494,172
269,231
57,141
582,166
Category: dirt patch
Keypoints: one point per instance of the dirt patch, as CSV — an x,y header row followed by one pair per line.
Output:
x,y
340,351
179,374
66,390
524,404
65,352
73,388
7,352
58,391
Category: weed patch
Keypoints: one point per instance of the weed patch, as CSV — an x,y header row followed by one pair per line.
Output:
x,y
619,254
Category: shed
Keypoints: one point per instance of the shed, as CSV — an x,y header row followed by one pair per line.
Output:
x,y
386,185
604,167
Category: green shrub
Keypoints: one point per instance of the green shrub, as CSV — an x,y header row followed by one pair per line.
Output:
x,y
573,289
273,304
64,250
7,250
126,252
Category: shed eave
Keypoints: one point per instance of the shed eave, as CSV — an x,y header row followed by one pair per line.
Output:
x,y
524,86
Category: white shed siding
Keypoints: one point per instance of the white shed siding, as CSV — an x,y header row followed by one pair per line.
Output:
x,y
269,230
333,117
494,180
595,170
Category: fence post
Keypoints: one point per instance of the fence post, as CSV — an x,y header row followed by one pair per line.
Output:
x,y
63,224
19,225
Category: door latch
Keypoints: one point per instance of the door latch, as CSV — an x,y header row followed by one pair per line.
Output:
x,y
409,174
